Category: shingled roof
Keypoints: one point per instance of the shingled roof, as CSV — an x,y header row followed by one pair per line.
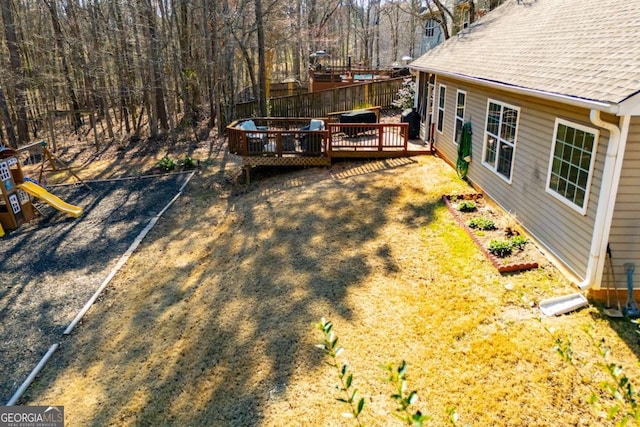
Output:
x,y
588,50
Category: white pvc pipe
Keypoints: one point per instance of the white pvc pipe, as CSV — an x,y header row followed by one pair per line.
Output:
x,y
607,199
32,375
123,259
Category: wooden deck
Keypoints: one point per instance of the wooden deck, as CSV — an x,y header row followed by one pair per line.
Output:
x,y
284,142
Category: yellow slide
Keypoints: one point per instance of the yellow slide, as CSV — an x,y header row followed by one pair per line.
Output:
x,y
44,195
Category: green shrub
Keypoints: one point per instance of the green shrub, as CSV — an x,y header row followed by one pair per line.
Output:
x,y
405,96
500,248
166,164
482,224
188,162
517,242
467,206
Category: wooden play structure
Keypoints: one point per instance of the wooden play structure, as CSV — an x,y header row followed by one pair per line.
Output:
x,y
16,191
15,203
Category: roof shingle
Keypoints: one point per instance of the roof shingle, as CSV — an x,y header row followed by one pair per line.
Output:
x,y
583,49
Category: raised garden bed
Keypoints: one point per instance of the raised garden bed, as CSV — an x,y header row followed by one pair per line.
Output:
x,y
503,243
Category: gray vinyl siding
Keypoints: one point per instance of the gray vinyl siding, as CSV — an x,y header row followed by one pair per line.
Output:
x,y
625,227
563,231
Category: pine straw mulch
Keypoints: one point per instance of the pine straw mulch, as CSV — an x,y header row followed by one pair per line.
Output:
x,y
209,323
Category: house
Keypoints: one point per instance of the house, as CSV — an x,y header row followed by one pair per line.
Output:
x,y
552,91
455,15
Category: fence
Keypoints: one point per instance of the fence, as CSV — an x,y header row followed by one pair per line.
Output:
x,y
320,104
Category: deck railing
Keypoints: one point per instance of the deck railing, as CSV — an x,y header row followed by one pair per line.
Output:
x,y
372,138
285,137
278,137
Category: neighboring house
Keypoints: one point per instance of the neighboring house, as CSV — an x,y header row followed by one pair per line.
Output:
x,y
461,14
552,90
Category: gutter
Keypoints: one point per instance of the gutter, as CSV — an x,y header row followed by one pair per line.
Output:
x,y
550,96
608,189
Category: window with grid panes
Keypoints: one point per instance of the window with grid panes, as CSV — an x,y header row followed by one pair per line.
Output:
x,y
500,138
571,164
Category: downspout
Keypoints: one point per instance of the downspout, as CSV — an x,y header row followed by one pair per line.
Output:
x,y
606,204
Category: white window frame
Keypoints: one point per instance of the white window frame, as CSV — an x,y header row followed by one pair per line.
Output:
x,y
499,141
596,135
459,119
430,28
441,109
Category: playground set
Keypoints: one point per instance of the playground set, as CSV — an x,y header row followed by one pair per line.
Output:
x,y
16,191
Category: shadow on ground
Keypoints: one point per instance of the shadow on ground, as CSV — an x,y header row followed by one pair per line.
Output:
x,y
213,319
51,266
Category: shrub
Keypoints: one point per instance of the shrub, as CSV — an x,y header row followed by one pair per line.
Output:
x,y
166,164
500,248
482,224
405,96
517,242
467,206
188,162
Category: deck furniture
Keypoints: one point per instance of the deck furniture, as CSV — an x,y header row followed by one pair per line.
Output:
x,y
310,143
359,117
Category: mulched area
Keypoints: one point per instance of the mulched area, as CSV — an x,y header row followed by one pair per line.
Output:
x,y
52,265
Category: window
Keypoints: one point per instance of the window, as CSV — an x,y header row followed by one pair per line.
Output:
x,y
441,98
500,138
466,18
461,99
430,28
571,163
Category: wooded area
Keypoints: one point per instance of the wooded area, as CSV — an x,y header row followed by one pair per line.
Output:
x,y
144,67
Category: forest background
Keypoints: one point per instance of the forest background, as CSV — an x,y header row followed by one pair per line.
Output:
x,y
140,68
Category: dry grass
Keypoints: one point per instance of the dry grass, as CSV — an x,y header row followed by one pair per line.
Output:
x,y
210,321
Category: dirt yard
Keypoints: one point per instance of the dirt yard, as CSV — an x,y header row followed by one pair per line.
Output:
x,y
210,322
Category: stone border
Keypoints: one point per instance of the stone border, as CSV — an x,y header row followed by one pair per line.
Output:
x,y
502,268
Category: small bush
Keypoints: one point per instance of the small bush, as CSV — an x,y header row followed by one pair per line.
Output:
x,y
500,248
188,162
467,206
166,164
517,242
405,96
482,224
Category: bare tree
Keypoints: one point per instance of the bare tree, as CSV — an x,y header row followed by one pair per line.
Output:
x,y
17,72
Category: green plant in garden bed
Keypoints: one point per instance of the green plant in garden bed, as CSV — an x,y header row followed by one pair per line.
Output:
x,y
518,242
500,248
504,248
467,206
482,224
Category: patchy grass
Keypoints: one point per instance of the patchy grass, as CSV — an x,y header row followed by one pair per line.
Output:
x,y
210,322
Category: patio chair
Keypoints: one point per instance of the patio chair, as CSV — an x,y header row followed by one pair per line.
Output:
x,y
255,140
309,143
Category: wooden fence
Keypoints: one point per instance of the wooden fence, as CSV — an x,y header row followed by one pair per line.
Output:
x,y
320,104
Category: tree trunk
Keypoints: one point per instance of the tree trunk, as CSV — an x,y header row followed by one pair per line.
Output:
x,y
155,65
75,105
6,117
17,71
262,63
